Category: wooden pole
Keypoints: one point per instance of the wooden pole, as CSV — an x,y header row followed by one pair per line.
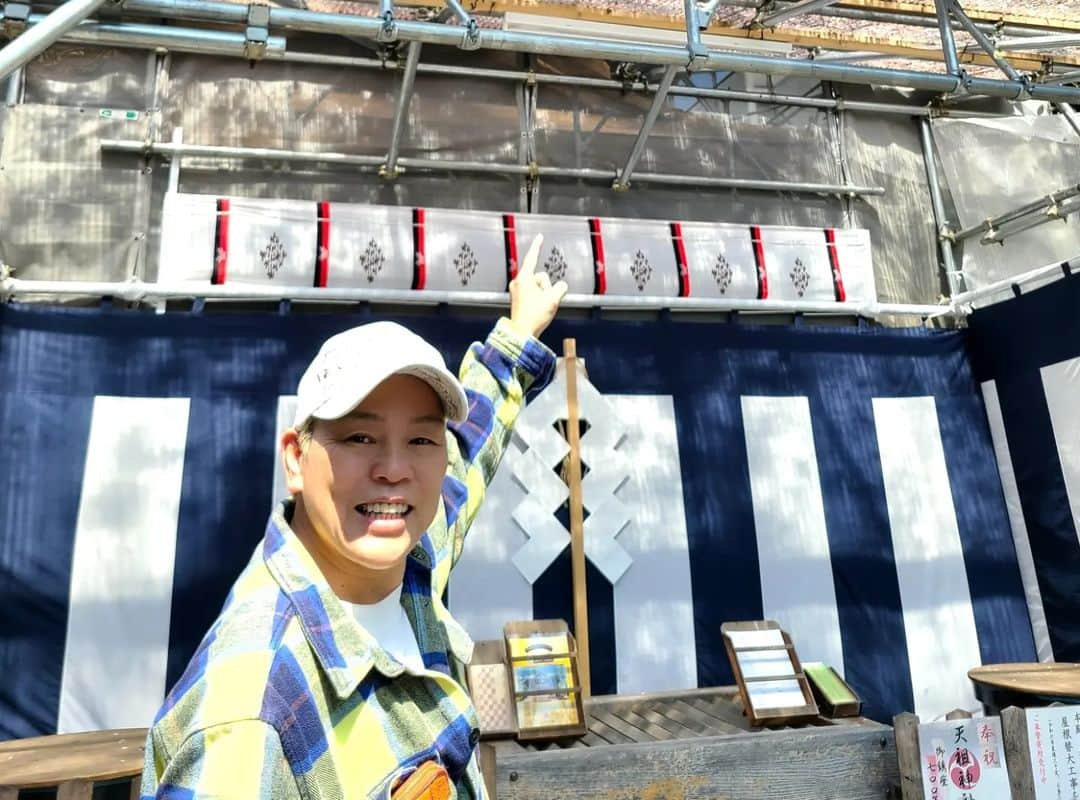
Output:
x,y
906,732
1014,735
577,518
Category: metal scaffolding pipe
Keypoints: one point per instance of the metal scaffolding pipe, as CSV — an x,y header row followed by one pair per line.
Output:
x,y
348,159
952,274
138,291
623,181
989,225
227,12
581,47
948,43
1070,115
1064,77
696,50
964,299
605,83
1053,213
188,40
462,15
706,12
14,87
35,39
408,78
837,57
794,10
1049,42
984,42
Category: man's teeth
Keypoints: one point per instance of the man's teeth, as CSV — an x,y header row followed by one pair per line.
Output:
x,y
394,509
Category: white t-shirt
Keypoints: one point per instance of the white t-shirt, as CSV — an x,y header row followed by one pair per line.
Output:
x,y
387,623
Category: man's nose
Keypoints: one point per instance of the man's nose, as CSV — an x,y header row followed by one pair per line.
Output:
x,y
391,464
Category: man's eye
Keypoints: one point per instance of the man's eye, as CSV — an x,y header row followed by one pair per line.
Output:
x,y
360,438
424,441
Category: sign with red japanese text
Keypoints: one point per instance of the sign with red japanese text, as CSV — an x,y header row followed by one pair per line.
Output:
x,y
1054,742
963,760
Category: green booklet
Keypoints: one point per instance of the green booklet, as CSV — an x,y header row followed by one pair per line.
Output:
x,y
834,690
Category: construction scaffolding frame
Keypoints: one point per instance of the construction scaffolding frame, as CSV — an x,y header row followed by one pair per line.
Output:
x,y
252,40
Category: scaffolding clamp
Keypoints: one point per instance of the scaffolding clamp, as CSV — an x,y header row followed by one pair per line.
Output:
x,y
699,57
257,31
388,173
14,17
471,39
388,30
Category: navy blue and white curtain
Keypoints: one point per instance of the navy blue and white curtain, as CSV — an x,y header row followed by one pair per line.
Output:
x,y
1026,356
841,481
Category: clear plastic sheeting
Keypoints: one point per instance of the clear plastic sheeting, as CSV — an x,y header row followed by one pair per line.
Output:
x,y
885,151
995,166
596,128
68,210
91,77
72,211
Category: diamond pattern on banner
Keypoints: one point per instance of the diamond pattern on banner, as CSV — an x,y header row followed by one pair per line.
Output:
x,y
640,258
721,261
466,251
371,247
797,263
187,238
272,241
856,265
566,254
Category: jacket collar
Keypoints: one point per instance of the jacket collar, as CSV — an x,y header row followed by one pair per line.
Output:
x,y
344,650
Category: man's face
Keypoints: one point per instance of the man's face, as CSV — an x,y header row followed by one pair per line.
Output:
x,y
370,482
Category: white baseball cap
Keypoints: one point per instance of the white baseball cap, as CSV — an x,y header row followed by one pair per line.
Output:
x,y
351,364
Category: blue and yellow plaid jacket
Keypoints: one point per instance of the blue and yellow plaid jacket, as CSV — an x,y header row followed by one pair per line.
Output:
x,y
288,697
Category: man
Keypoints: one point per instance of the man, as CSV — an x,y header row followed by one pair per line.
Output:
x,y
334,670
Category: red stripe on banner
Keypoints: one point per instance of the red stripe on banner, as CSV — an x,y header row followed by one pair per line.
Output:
x,y
598,256
834,262
221,242
680,259
322,247
759,260
510,238
419,256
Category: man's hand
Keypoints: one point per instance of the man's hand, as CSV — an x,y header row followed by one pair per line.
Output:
x,y
533,300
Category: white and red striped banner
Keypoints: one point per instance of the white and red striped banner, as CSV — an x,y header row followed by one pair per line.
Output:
x,y
465,251
339,245
640,257
720,260
567,251
370,246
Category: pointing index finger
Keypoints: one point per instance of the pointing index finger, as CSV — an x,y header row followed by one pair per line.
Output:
x,y
528,264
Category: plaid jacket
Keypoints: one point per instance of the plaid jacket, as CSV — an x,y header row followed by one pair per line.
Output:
x,y
288,697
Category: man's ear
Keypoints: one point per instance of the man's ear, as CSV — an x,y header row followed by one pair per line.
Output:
x,y
290,460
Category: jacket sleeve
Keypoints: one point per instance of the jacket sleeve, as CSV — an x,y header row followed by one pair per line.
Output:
x,y
496,375
237,760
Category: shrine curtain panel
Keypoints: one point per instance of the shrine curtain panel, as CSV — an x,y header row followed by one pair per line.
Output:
x,y
1026,358
841,481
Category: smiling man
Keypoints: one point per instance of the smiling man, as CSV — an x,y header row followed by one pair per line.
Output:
x,y
334,669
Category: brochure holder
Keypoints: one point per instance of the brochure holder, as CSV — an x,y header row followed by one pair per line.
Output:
x,y
771,680
544,681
